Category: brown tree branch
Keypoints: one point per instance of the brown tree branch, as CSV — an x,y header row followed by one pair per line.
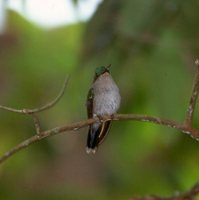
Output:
x,y
36,123
190,195
193,99
40,109
182,127
78,125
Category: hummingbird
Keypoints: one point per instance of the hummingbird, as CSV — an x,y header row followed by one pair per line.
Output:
x,y
103,99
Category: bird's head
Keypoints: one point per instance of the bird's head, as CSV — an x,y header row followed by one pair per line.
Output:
x,y
101,70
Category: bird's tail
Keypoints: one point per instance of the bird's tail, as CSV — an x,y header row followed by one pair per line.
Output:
x,y
96,135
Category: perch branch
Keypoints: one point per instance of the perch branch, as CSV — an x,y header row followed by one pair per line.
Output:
x,y
42,108
78,125
182,127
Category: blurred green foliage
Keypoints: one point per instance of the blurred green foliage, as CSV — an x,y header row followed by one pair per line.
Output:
x,y
151,46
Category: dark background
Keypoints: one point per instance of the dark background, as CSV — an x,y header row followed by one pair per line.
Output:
x,y
152,45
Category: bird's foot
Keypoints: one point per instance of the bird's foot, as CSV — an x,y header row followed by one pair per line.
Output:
x,y
105,118
101,119
112,117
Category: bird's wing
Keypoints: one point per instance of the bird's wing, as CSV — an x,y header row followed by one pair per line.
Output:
x,y
104,131
89,103
97,131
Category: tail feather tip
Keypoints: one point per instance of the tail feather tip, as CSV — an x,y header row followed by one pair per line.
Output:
x,y
90,150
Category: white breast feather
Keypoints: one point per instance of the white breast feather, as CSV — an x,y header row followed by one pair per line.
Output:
x,y
106,96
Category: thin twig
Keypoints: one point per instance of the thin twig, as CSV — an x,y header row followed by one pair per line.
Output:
x,y
78,125
193,99
36,123
42,108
